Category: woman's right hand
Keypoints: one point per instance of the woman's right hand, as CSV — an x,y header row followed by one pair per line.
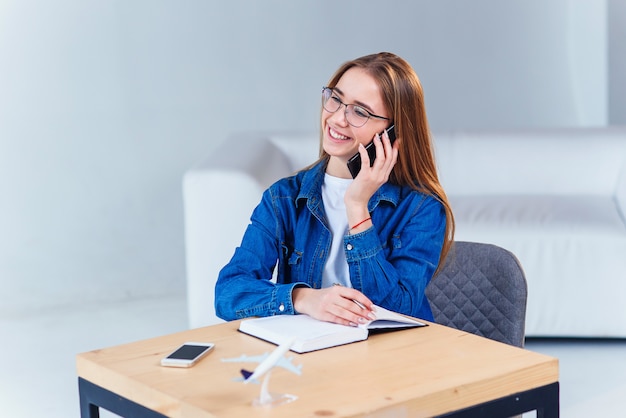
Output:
x,y
369,179
338,304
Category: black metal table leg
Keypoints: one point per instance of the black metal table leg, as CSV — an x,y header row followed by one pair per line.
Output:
x,y
93,397
544,400
551,405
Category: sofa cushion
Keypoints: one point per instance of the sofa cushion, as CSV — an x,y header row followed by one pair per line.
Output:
x,y
584,214
551,162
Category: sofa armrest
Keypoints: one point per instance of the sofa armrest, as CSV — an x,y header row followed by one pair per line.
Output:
x,y
252,155
219,196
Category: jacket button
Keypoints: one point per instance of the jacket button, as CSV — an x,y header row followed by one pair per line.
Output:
x,y
281,307
349,247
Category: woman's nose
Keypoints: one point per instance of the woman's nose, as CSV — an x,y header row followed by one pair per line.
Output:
x,y
340,117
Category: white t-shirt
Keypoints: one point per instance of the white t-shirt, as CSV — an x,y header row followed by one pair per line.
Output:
x,y
336,268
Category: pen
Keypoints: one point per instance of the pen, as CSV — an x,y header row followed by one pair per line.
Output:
x,y
359,304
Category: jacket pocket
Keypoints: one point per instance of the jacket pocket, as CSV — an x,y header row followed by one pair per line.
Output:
x,y
292,261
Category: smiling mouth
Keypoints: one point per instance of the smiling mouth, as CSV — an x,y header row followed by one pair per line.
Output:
x,y
336,135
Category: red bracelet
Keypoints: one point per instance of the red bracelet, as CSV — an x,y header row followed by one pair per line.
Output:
x,y
361,223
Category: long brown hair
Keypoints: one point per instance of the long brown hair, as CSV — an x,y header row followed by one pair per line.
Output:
x,y
403,97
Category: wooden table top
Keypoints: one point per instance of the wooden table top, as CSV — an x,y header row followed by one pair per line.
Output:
x,y
417,372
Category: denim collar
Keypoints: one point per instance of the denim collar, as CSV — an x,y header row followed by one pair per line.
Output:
x,y
311,189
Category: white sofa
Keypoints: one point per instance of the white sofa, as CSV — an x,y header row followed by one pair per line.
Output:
x,y
554,197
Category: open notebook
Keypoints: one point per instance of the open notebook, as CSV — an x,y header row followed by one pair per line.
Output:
x,y
312,334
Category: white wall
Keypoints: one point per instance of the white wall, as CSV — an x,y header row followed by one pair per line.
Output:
x,y
105,104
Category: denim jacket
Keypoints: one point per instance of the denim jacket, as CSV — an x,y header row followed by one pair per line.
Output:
x,y
391,262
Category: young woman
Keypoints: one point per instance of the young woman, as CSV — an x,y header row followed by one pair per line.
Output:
x,y
340,244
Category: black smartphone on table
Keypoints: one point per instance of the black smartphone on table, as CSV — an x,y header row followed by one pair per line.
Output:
x,y
187,354
354,163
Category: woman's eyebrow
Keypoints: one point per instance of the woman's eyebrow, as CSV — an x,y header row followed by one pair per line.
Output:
x,y
338,90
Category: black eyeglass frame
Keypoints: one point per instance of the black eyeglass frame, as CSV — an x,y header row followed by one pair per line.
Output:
x,y
369,114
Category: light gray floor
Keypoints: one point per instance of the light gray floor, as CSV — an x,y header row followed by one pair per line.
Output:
x,y
38,377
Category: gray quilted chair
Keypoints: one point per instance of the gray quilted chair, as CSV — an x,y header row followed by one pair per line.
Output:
x,y
482,290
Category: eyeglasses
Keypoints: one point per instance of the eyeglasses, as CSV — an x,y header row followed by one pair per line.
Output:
x,y
356,115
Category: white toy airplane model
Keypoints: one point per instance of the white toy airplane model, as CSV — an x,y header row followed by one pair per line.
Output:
x,y
267,362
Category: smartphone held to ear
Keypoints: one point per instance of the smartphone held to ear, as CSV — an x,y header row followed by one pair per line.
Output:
x,y
187,354
354,163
